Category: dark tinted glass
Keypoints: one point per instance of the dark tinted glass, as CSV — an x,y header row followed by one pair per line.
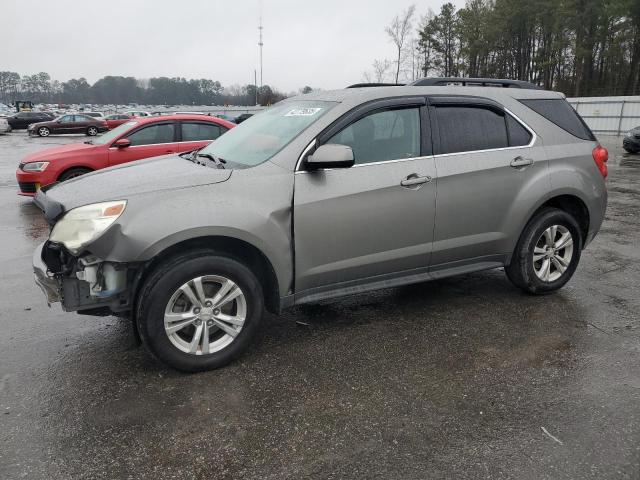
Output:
x,y
466,129
518,135
154,134
559,111
193,132
386,135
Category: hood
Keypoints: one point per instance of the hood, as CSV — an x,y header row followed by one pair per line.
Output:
x,y
63,150
169,172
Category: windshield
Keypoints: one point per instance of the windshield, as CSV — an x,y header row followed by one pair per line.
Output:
x,y
111,135
259,138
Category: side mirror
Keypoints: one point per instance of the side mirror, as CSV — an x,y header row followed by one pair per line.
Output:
x,y
122,143
331,156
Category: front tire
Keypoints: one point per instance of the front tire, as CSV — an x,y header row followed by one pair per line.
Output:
x,y
44,132
547,253
199,311
92,131
73,173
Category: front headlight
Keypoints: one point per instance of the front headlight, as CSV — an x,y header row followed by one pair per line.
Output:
x,y
35,167
83,225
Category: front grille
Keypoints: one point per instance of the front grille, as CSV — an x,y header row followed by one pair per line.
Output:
x,y
28,187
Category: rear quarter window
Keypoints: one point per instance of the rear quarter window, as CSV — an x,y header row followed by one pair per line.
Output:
x,y
558,111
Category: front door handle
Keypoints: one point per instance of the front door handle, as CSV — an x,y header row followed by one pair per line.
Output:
x,y
414,179
521,162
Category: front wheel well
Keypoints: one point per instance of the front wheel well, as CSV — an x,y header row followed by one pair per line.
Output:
x,y
75,167
240,250
574,207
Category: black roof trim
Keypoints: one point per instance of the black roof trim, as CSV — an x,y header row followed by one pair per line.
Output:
x,y
367,85
475,82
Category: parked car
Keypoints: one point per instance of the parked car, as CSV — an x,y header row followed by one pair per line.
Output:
x,y
4,125
242,117
22,120
631,141
98,115
76,123
137,113
324,195
137,139
117,119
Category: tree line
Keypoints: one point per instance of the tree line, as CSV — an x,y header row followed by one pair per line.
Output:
x,y
579,47
125,90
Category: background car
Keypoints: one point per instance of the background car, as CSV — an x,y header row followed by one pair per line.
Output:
x,y
242,117
631,141
116,120
24,119
137,139
98,115
76,123
137,113
4,125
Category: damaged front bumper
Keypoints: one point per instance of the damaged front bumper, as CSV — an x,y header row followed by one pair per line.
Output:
x,y
85,284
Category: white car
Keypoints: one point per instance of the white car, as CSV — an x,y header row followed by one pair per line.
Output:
x,y
99,115
4,125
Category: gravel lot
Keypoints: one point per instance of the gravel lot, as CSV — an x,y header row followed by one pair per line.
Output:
x,y
459,378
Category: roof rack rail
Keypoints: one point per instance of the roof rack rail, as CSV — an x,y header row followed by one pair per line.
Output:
x,y
367,85
474,82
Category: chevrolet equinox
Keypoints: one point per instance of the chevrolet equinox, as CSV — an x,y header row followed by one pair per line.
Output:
x,y
324,195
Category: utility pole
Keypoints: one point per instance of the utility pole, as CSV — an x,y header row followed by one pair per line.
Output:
x,y
260,43
255,82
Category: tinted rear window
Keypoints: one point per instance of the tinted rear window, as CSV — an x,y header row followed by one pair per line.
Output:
x,y
518,135
467,129
559,111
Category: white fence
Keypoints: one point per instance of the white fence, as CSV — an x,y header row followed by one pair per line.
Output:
x,y
608,115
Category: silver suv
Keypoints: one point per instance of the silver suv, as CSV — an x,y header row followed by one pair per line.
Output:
x,y
325,195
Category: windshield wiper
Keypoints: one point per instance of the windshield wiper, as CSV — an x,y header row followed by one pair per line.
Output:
x,y
215,159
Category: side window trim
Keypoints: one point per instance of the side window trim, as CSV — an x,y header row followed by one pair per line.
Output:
x,y
477,103
362,111
142,127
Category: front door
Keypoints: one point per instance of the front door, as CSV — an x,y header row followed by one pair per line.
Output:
x,y
147,141
485,159
353,225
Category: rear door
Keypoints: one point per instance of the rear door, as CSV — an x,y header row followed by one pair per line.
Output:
x,y
485,158
375,219
195,134
147,141
81,122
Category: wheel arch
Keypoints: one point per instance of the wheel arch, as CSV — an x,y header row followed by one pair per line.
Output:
x,y
241,250
570,202
73,167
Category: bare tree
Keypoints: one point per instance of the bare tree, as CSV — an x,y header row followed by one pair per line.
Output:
x,y
399,30
380,69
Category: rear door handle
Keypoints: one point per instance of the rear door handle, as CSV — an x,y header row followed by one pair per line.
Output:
x,y
415,179
521,162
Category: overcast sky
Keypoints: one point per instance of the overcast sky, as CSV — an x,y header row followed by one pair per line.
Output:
x,y
325,44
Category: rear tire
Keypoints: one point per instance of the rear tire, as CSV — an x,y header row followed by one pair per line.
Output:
x,y
547,253
92,131
73,173
215,332
630,150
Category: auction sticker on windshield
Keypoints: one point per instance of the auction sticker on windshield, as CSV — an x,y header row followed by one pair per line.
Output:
x,y
302,112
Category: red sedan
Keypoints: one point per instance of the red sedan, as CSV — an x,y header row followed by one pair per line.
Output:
x,y
136,139
117,119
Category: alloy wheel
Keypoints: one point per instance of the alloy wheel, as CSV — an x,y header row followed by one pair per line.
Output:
x,y
43,131
205,315
553,253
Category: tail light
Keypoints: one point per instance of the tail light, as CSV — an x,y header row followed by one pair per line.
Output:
x,y
600,156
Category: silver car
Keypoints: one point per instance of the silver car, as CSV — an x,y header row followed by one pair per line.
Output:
x,y
325,195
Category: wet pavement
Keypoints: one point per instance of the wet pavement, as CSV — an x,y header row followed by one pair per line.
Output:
x,y
460,378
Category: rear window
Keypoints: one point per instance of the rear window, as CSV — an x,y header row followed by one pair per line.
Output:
x,y
558,111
